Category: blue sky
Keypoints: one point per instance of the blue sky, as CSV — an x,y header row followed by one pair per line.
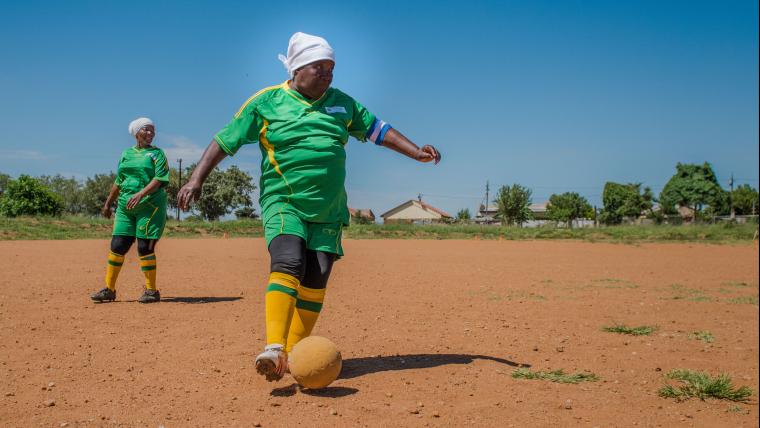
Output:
x,y
555,95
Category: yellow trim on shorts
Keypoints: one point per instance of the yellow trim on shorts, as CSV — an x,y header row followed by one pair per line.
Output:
x,y
155,210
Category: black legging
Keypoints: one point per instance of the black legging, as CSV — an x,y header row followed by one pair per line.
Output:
x,y
121,245
289,255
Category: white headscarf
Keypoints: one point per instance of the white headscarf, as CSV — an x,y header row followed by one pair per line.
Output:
x,y
136,125
304,49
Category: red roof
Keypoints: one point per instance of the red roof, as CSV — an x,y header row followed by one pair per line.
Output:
x,y
432,208
364,212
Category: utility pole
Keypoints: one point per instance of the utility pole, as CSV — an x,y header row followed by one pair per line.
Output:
x,y
487,189
179,184
731,196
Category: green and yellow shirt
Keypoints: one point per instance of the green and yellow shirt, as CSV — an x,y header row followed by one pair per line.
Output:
x,y
303,162
137,167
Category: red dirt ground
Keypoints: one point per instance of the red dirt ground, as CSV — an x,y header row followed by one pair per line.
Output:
x,y
430,333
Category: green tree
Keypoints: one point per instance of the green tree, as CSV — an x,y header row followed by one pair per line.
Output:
x,y
694,186
95,192
172,188
745,200
624,201
4,179
358,218
224,191
513,204
69,189
246,212
28,196
463,215
567,207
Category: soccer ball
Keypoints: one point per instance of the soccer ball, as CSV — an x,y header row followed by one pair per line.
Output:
x,y
315,362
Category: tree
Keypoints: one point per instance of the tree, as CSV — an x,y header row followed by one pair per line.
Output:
x,y
246,212
358,218
513,204
694,186
224,191
95,192
624,201
28,196
463,214
172,188
745,200
4,179
69,189
567,207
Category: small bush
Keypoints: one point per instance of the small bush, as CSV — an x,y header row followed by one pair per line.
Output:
x,y
643,330
704,336
701,385
558,376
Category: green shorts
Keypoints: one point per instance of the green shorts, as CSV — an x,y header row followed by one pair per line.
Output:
x,y
146,221
318,236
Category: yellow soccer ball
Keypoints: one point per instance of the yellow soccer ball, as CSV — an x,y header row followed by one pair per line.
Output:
x,y
315,362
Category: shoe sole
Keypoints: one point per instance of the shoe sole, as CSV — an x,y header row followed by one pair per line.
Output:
x,y
101,300
268,369
149,301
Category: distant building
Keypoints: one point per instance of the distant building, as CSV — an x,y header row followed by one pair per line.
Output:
x,y
415,211
364,213
539,211
487,215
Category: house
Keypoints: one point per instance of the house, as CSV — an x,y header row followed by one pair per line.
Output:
x,y
539,211
487,215
363,213
415,211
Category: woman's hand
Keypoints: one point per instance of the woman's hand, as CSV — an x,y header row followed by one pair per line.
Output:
x,y
189,193
106,211
134,200
428,153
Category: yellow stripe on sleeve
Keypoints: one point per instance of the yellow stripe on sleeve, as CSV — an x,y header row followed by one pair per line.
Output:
x,y
253,97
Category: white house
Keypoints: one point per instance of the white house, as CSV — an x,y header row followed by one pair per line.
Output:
x,y
415,211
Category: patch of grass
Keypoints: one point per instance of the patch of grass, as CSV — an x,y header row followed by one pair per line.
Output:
x,y
612,283
737,409
79,227
703,335
701,385
744,300
558,376
735,284
644,330
690,294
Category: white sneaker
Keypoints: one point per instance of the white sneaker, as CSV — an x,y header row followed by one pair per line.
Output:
x,y
273,362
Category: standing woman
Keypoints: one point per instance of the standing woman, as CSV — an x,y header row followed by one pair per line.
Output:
x,y
301,127
140,212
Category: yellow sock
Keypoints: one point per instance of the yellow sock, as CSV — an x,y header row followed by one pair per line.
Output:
x,y
113,268
148,268
308,306
280,302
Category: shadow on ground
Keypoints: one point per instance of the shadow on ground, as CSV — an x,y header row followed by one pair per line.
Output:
x,y
330,391
355,367
198,299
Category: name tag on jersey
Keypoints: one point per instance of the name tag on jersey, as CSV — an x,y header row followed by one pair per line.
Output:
x,y
335,109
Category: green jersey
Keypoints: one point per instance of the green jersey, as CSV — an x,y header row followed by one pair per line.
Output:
x,y
303,160
137,167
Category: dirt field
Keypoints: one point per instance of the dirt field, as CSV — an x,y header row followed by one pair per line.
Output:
x,y
430,333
